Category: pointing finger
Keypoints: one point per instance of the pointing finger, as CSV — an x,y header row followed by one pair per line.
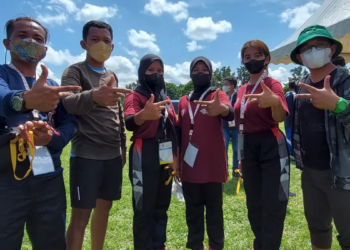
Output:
x,y
303,96
122,90
66,88
151,100
162,103
202,102
252,96
308,87
264,87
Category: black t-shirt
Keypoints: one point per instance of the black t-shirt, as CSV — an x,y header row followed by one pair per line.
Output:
x,y
314,147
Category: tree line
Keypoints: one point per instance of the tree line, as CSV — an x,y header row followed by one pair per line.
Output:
x,y
175,92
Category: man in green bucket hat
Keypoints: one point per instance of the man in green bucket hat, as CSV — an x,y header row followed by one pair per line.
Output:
x,y
321,137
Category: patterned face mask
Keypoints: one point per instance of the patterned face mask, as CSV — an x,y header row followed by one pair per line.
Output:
x,y
28,50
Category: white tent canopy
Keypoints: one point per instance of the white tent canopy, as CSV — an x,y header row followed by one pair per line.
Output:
x,y
335,15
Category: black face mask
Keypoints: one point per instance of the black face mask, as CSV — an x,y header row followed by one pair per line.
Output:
x,y
200,79
255,66
154,79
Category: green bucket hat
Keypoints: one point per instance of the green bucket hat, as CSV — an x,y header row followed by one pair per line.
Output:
x,y
310,33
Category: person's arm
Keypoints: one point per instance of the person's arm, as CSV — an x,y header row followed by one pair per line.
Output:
x,y
228,115
344,117
122,126
65,125
6,95
131,107
78,103
280,111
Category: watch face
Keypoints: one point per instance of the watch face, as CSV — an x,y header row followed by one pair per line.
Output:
x,y
17,103
343,105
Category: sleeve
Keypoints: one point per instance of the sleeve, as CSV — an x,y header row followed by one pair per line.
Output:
x,y
224,100
6,95
65,125
276,88
122,126
344,117
78,103
131,106
179,124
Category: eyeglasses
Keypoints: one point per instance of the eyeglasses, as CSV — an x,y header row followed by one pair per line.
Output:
x,y
318,46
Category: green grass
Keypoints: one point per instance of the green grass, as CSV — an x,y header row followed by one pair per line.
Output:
x,y
237,230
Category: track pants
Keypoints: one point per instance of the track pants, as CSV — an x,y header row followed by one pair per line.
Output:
x,y
151,197
266,182
197,197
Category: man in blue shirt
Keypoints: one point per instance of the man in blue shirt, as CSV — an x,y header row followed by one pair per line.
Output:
x,y
229,127
39,200
290,97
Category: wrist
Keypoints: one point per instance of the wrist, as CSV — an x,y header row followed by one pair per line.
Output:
x,y
340,106
277,102
26,100
225,110
139,118
93,96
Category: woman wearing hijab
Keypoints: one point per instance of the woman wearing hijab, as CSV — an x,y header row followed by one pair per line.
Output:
x,y
151,116
203,155
262,147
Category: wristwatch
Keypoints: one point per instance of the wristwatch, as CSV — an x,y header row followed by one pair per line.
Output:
x,y
18,103
341,106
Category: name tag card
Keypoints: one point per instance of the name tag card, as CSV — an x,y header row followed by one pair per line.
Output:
x,y
42,163
191,154
165,153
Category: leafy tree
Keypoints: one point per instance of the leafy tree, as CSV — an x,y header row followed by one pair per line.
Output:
x,y
186,88
219,75
297,73
173,91
285,88
243,75
131,85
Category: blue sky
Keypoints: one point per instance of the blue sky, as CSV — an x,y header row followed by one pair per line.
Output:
x,y
177,31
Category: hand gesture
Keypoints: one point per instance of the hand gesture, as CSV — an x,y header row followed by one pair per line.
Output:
x,y
321,98
153,111
213,107
42,135
43,97
108,95
266,99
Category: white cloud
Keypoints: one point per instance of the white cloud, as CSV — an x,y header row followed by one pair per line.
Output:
x,y
135,60
70,30
50,76
199,29
177,10
122,66
69,5
180,73
298,16
65,9
143,40
193,46
59,19
281,74
239,55
131,53
94,12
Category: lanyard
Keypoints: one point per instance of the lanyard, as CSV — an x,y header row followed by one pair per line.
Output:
x,y
192,116
165,116
244,102
26,86
25,83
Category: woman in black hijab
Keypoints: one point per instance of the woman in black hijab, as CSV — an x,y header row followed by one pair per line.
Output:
x,y
203,156
151,116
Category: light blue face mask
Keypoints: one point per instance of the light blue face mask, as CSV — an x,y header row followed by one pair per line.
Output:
x,y
226,88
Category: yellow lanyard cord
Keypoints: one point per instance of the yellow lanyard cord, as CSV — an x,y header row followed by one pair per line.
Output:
x,y
172,174
22,154
239,185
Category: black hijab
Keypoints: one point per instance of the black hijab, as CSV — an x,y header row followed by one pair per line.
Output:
x,y
159,91
200,89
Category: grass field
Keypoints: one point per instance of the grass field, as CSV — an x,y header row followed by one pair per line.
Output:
x,y
238,235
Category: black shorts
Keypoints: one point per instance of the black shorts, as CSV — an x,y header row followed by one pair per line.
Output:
x,y
93,179
41,206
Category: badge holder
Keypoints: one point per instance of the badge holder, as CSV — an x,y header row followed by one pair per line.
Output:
x,y
165,151
232,124
191,152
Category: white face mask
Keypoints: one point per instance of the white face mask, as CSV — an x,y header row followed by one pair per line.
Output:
x,y
226,88
316,58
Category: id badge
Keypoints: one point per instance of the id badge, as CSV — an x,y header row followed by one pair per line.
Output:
x,y
232,124
165,153
35,114
240,146
42,163
191,154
